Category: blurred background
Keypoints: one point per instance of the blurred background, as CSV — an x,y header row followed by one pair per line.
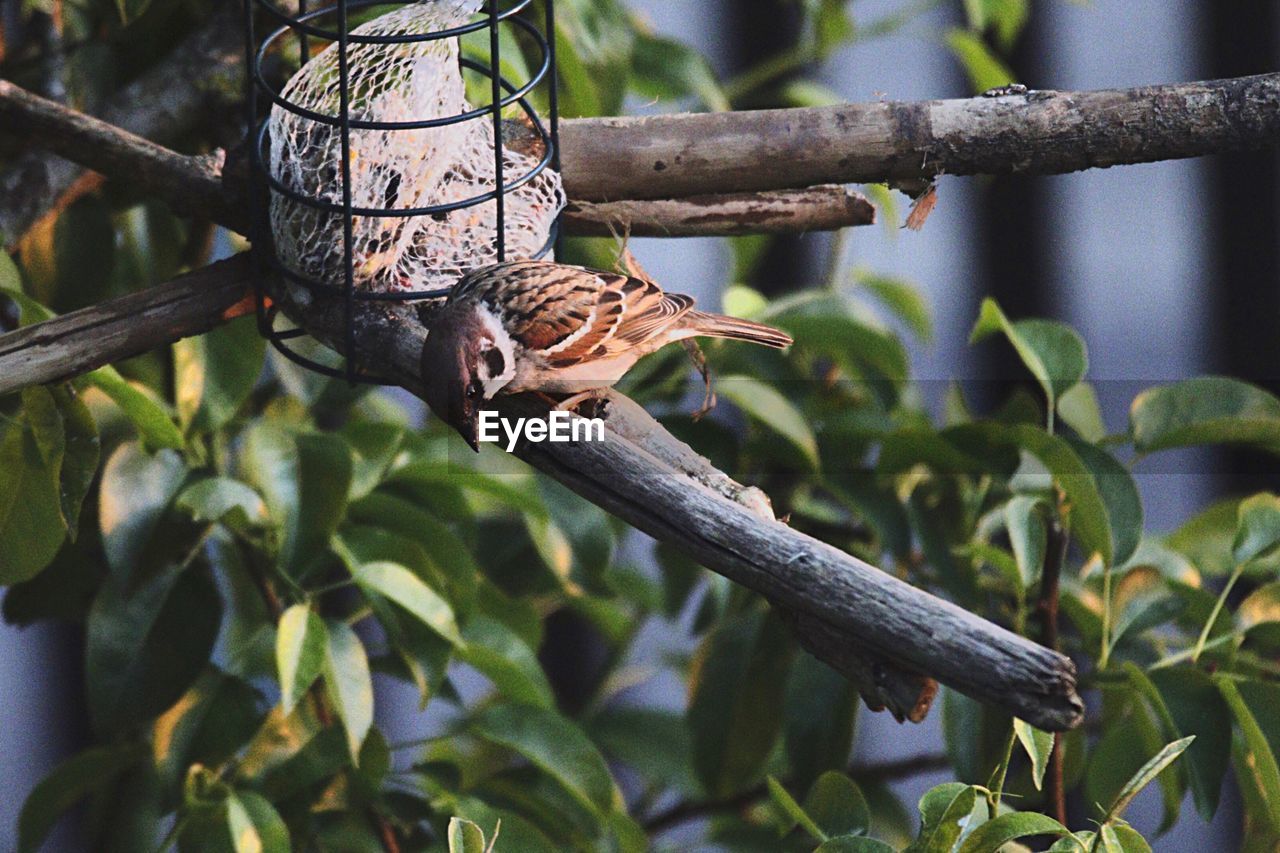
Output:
x,y
1167,270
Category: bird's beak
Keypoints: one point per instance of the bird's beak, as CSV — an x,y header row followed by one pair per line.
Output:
x,y
469,429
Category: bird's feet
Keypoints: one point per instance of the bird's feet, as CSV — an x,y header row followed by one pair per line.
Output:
x,y
586,403
699,360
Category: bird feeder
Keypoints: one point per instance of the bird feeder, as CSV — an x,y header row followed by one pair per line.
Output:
x,y
397,157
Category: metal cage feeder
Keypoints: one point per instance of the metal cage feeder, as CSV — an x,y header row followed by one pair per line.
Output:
x,y
307,25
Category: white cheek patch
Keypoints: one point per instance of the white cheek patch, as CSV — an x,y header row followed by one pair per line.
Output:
x,y
501,342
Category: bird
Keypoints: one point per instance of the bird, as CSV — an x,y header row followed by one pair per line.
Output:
x,y
555,329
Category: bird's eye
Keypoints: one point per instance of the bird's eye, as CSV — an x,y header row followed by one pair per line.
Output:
x,y
475,390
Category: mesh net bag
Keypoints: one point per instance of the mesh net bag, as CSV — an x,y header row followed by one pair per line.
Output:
x,y
400,168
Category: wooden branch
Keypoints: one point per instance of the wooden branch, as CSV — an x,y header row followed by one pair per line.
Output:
x,y
739,153
646,477
1035,133
198,185
204,71
121,328
188,184
882,633
822,208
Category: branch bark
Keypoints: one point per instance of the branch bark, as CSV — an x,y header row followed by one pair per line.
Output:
x,y
1037,133
646,477
864,622
121,328
203,185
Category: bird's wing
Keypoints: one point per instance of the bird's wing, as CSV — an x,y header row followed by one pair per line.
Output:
x,y
570,315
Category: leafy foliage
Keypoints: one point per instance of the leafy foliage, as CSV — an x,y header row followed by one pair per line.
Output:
x,y
254,553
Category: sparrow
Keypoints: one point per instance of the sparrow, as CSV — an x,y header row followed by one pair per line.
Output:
x,y
555,329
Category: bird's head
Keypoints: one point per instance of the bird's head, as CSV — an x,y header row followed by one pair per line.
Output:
x,y
464,364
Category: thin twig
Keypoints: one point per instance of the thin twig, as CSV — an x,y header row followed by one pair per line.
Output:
x,y
1047,608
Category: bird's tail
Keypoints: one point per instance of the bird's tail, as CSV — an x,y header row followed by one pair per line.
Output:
x,y
721,326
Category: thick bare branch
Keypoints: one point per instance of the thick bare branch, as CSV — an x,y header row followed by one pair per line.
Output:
x,y
199,185
1035,133
120,328
864,622
643,475
133,324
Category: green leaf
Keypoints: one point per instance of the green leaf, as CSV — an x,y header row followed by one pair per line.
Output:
x,y
137,490
1258,532
503,657
1079,409
994,834
148,643
1118,838
664,68
1197,708
860,350
1053,352
31,523
154,424
1146,773
904,300
1039,746
347,683
217,499
792,810
853,844
1205,410
214,374
944,813
465,837
301,645
210,722
71,781
985,70
244,835
396,583
1261,607
376,446
1028,537
556,745
765,404
1260,766
446,549
1119,495
67,437
735,708
820,707
837,806
305,480
130,10
251,818
1088,515
655,743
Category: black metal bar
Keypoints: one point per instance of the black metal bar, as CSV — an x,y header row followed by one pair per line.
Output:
x,y
256,223
495,79
348,235
553,106
514,95
299,24
304,40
